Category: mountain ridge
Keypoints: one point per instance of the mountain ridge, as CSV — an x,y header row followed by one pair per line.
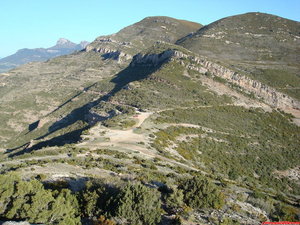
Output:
x,y
264,46
141,35
25,55
262,24
215,142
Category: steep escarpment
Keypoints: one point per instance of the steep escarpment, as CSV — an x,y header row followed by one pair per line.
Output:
x,y
111,48
268,94
264,92
151,59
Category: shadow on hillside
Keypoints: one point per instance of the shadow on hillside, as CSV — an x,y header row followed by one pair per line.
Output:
x,y
71,99
74,184
77,115
35,124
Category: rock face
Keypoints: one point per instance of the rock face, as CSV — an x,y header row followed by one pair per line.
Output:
x,y
108,53
64,43
152,59
110,49
105,40
264,92
268,94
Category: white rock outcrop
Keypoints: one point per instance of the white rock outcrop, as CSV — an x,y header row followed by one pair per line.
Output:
x,y
262,91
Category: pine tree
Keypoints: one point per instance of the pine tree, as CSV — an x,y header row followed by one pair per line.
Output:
x,y
199,192
138,204
7,188
29,200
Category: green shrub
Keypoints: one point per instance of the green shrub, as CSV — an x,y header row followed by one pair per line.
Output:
x,y
138,204
94,198
177,220
286,213
228,221
29,200
174,200
199,192
219,79
233,174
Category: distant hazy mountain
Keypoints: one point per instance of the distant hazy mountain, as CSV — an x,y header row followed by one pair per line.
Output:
x,y
25,55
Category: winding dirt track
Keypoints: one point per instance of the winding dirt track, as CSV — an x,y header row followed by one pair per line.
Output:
x,y
127,140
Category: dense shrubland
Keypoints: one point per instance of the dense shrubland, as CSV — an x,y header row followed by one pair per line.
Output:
x,y
128,202
249,146
122,203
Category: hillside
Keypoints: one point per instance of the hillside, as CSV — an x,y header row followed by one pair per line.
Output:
x,y
264,46
23,56
133,39
158,133
48,84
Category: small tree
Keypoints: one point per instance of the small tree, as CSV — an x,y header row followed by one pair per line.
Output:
x,y
199,192
174,200
233,174
89,203
29,200
138,205
94,198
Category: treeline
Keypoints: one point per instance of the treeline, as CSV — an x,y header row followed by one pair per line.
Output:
x,y
101,203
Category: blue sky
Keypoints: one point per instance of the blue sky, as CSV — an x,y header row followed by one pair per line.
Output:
x,y
39,23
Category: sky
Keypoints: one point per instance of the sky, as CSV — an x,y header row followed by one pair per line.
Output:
x,y
40,23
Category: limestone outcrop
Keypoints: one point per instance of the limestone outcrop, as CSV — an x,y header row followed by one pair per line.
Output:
x,y
108,49
152,59
109,53
262,91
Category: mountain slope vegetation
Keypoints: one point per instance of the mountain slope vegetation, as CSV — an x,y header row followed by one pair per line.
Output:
x,y
262,45
137,114
49,84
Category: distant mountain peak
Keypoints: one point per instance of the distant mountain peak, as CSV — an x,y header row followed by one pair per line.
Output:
x,y
63,41
63,47
83,44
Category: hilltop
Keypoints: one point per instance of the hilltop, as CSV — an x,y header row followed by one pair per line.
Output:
x,y
141,35
250,36
263,45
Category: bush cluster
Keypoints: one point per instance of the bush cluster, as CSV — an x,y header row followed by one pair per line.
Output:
x,y
199,192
